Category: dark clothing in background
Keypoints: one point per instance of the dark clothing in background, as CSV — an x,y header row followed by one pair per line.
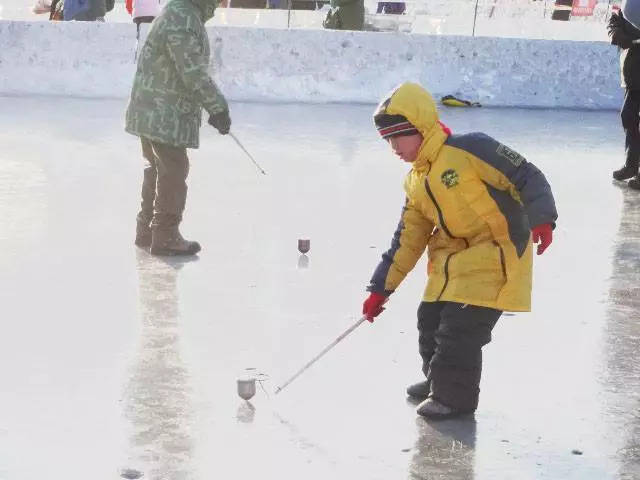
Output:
x,y
257,4
85,10
630,116
345,15
562,13
391,8
622,34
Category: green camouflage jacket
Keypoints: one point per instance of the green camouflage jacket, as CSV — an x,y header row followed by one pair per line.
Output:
x,y
172,84
345,15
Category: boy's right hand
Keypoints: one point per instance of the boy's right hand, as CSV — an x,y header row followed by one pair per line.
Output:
x,y
543,236
372,306
221,121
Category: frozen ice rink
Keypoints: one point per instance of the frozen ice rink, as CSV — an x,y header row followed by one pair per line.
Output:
x,y
115,363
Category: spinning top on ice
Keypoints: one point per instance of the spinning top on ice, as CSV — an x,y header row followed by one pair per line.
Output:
x,y
304,245
246,388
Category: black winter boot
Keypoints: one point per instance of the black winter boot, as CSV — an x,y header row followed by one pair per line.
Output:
x,y
419,390
635,183
625,173
169,242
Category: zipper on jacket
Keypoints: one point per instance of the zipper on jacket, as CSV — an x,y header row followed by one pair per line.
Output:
x,y
446,230
433,199
503,263
446,275
440,216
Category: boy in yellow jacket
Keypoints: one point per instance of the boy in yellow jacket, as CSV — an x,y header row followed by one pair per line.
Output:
x,y
475,205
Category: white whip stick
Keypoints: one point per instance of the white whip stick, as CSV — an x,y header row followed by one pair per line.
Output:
x,y
322,353
248,154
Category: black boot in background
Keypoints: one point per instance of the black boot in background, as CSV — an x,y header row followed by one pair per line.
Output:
x,y
625,173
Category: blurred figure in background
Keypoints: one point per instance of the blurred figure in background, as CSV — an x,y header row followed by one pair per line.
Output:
x,y
143,11
345,15
623,34
391,8
56,12
85,10
562,10
41,6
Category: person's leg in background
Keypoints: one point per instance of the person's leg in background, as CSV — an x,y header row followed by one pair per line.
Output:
x,y
171,196
145,215
630,116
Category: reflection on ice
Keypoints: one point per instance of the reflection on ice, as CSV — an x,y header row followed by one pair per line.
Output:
x,y
621,378
157,396
444,449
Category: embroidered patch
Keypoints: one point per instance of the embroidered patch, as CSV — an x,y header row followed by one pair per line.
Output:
x,y
450,178
514,157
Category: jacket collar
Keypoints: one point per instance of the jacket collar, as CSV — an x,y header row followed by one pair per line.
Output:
x,y
434,138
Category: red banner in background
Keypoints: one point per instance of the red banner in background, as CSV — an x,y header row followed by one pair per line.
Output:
x,y
583,8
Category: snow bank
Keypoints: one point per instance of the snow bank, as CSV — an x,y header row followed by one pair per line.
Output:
x,y
93,59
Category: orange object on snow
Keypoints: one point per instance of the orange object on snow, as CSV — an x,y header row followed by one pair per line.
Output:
x,y
129,6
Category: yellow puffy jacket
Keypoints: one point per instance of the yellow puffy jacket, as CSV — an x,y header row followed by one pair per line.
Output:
x,y
472,202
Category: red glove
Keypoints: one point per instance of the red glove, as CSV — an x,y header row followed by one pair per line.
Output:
x,y
542,234
129,6
372,306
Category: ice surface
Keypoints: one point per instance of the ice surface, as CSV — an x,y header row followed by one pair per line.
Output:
x,y
114,361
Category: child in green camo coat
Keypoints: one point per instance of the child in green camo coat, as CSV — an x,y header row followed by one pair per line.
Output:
x,y
171,87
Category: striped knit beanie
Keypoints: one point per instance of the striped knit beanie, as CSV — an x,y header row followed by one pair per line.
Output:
x,y
393,125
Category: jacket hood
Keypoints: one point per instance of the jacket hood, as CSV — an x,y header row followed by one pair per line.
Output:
x,y
417,105
206,7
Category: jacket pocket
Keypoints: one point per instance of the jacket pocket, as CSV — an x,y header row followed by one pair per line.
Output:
x,y
476,273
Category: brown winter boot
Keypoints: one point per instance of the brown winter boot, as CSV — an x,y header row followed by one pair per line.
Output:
x,y
169,242
625,173
143,235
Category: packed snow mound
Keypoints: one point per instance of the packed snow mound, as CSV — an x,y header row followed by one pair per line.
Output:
x,y
275,65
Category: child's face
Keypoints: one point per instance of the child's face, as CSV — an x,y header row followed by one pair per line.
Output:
x,y
406,146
